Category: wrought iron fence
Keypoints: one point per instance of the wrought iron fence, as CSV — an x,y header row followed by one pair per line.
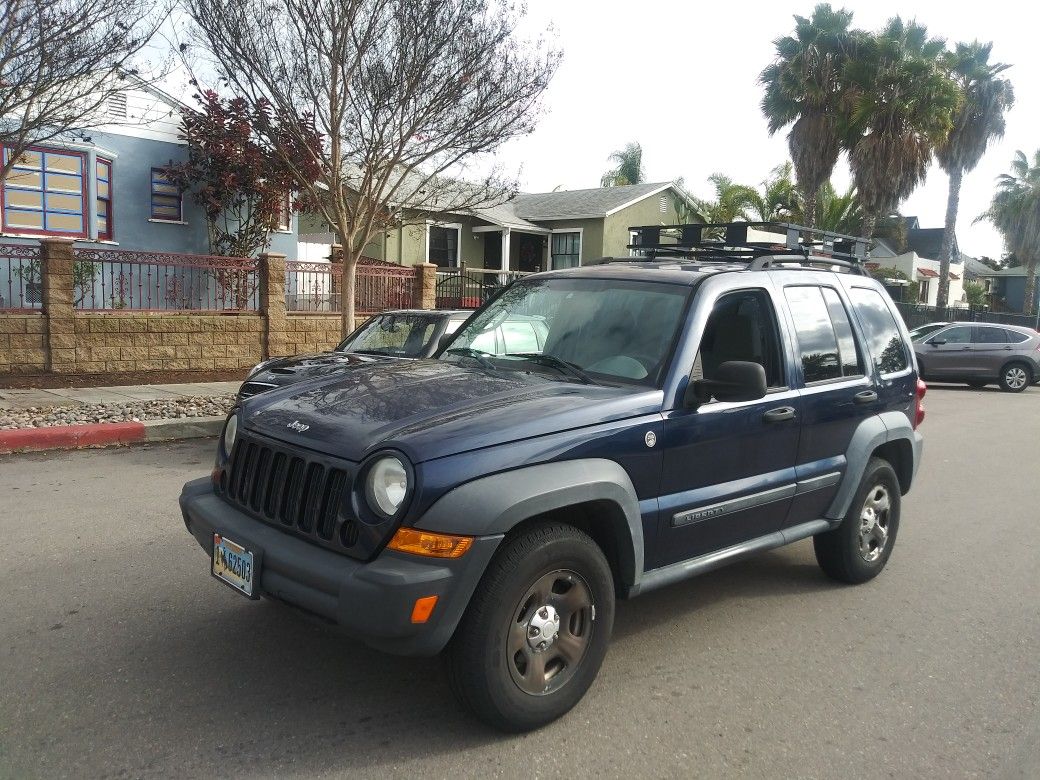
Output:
x,y
469,288
916,314
117,279
377,286
21,286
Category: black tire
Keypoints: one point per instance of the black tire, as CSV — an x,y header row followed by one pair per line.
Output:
x,y
483,674
840,552
977,384
1015,377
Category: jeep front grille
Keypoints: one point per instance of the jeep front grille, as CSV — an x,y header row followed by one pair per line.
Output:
x,y
298,492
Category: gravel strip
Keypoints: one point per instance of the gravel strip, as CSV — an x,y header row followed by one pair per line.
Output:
x,y
131,411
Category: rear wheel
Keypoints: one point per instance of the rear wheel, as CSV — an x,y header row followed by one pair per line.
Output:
x,y
1015,377
858,549
536,631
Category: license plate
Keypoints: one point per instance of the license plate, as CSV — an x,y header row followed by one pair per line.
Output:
x,y
233,564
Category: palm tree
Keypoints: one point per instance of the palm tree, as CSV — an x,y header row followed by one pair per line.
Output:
x,y
779,199
984,98
1015,212
803,88
629,169
839,213
732,202
900,106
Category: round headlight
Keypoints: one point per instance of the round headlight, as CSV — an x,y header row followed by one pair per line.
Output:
x,y
230,432
387,485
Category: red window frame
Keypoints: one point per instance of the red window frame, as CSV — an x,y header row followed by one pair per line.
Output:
x,y
107,234
84,211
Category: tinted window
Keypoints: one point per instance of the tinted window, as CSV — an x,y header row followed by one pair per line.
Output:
x,y
984,335
919,333
817,342
959,335
851,362
742,326
883,339
1015,337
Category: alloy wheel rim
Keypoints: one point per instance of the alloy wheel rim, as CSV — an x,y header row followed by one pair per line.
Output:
x,y
874,523
549,632
1015,377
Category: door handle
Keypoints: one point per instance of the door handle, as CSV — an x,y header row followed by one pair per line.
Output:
x,y
779,414
1009,348
865,397
965,349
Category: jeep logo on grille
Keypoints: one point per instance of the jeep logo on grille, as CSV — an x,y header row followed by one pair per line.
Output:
x,y
298,426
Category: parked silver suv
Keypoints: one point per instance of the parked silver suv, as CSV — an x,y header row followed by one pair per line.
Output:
x,y
980,354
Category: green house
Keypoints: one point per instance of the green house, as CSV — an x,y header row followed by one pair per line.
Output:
x,y
531,232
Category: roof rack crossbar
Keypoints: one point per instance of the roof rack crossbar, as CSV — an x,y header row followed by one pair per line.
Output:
x,y
734,240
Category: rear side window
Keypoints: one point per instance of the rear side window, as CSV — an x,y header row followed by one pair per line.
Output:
x,y
883,339
817,339
1015,337
984,335
851,361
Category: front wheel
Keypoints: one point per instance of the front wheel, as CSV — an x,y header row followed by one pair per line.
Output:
x,y
536,631
1015,377
858,549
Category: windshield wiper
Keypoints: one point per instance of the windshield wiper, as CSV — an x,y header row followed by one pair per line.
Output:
x,y
476,354
563,366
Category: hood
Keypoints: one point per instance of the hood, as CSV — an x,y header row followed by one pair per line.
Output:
x,y
432,408
300,367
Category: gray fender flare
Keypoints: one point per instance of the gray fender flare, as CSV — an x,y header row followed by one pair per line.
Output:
x,y
497,503
871,434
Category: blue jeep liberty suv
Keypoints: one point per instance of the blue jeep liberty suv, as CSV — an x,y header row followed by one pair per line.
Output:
x,y
717,396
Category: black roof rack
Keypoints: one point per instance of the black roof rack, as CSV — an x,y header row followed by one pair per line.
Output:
x,y
762,244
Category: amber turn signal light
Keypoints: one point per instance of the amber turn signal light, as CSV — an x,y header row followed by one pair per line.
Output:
x,y
423,609
428,544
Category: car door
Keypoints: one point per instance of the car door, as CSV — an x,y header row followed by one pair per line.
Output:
x,y
836,388
728,467
946,354
990,350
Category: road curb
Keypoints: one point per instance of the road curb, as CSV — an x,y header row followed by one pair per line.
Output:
x,y
72,437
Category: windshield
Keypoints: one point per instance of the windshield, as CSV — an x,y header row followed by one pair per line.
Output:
x,y
399,335
599,329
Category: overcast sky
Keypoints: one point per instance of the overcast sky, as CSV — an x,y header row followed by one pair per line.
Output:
x,y
681,79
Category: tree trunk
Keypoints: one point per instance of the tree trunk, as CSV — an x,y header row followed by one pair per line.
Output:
x,y
350,259
953,202
809,208
869,225
1029,304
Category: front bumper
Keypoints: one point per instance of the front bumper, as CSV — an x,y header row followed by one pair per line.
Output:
x,y
370,601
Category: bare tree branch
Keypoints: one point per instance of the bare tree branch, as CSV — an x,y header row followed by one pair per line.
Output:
x,y
62,60
405,94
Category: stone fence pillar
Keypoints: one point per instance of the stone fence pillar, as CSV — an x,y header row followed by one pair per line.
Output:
x,y
425,293
271,271
56,275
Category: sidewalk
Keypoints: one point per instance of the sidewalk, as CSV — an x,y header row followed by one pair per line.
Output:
x,y
70,418
34,398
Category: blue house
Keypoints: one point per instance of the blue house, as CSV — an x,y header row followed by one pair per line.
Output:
x,y
1006,288
103,185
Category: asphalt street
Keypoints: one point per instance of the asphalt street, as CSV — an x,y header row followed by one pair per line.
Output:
x,y
121,657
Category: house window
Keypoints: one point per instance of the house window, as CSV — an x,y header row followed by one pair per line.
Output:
x,y
283,222
44,194
444,245
566,250
103,171
923,286
166,198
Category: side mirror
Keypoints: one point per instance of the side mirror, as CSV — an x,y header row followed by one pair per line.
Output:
x,y
937,342
735,380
